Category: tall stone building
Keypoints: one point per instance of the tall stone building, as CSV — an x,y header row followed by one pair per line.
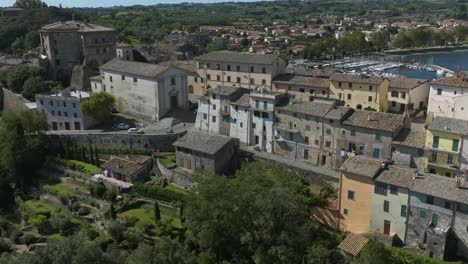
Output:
x,y
72,51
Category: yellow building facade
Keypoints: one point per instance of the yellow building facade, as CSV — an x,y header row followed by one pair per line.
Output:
x,y
442,152
356,191
360,91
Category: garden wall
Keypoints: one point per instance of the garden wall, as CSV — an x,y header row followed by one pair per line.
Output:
x,y
162,142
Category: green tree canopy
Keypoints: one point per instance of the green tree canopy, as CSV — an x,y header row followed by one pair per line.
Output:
x,y
99,106
261,215
23,146
27,4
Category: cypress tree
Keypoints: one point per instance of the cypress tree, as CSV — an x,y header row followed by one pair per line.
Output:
x,y
157,213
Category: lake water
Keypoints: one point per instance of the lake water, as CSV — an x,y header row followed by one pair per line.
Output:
x,y
454,60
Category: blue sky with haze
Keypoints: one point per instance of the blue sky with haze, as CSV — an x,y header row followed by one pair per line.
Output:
x,y
107,3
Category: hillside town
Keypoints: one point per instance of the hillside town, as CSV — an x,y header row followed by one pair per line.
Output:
x,y
135,144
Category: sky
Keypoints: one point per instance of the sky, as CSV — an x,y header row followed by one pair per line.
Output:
x,y
107,3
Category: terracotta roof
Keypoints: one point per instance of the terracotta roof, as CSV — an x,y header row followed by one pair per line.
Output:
x,y
293,79
362,165
405,82
449,125
123,165
239,57
137,68
402,177
356,78
243,101
411,138
460,79
203,142
375,120
353,244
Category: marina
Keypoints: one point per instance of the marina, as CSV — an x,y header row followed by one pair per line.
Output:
x,y
429,66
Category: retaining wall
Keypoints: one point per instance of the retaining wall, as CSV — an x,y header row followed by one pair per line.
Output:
x,y
162,142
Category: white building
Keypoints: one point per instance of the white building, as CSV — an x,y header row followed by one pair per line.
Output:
x,y
448,97
240,113
63,110
143,89
214,109
252,117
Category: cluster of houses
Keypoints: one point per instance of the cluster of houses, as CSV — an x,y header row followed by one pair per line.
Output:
x,y
398,180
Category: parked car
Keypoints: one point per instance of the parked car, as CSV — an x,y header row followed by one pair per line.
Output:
x,y
122,126
135,130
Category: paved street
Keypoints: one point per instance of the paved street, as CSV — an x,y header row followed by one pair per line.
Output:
x,y
178,120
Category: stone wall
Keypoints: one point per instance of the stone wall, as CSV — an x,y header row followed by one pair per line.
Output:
x,y
12,102
162,142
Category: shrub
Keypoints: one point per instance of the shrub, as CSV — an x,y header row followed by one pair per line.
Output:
x,y
39,221
157,192
29,239
146,152
15,236
116,230
110,194
102,241
130,221
5,246
91,233
83,211
98,189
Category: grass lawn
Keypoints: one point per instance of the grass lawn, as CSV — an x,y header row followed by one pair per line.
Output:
x,y
60,190
145,214
167,160
34,207
87,168
176,189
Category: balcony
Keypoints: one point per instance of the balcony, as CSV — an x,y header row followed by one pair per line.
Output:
x,y
444,159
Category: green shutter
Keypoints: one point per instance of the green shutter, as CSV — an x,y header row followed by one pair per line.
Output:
x,y
257,104
422,214
435,219
378,136
386,206
353,132
455,145
265,105
435,142
404,210
376,153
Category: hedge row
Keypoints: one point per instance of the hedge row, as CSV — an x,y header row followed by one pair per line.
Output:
x,y
126,151
157,192
79,166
